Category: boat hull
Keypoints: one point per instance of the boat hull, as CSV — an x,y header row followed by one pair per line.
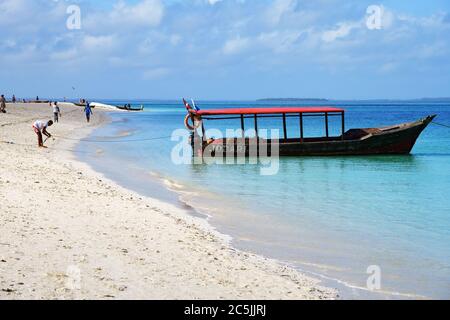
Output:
x,y
392,140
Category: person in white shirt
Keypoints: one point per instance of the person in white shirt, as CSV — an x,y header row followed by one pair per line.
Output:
x,y
40,127
56,112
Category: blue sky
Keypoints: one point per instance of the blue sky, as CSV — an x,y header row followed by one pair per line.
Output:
x,y
225,49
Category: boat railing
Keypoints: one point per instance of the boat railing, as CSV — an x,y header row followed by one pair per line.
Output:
x,y
284,117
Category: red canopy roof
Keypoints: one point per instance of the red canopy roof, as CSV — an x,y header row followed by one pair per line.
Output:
x,y
271,110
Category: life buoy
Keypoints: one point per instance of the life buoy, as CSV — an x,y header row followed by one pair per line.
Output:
x,y
195,124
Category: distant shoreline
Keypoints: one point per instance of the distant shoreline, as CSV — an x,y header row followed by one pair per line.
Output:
x,y
353,100
294,99
158,100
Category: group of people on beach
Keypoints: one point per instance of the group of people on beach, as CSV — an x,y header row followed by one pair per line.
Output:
x,y
40,126
13,100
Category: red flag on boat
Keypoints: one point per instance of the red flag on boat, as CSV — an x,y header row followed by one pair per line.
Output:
x,y
187,105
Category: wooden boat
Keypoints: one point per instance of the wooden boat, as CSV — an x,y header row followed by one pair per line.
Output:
x,y
397,139
129,108
39,101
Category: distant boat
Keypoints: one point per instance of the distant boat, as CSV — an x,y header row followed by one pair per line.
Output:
x,y
397,139
130,108
39,101
97,105
109,106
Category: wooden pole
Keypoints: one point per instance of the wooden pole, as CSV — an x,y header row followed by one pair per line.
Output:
x,y
284,126
242,125
257,136
193,142
326,125
301,127
203,132
343,124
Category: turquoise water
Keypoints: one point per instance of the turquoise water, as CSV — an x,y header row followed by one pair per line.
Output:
x,y
331,216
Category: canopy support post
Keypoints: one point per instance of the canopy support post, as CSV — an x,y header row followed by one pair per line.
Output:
x,y
242,126
343,124
256,135
327,132
284,126
301,128
203,132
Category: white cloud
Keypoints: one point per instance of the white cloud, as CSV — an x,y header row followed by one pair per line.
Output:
x,y
144,13
343,30
99,43
236,45
432,50
213,2
123,17
387,19
21,14
279,8
10,8
280,41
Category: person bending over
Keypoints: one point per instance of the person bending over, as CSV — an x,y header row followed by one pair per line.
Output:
x,y
40,127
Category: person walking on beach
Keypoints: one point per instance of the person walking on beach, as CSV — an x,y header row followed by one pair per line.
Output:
x,y
14,98
40,127
56,112
88,111
2,104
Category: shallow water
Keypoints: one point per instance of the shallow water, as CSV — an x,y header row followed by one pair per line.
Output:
x,y
333,216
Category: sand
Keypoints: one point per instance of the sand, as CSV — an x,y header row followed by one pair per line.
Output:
x,y
67,232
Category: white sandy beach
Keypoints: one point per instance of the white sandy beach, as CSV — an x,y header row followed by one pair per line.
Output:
x,y
66,232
